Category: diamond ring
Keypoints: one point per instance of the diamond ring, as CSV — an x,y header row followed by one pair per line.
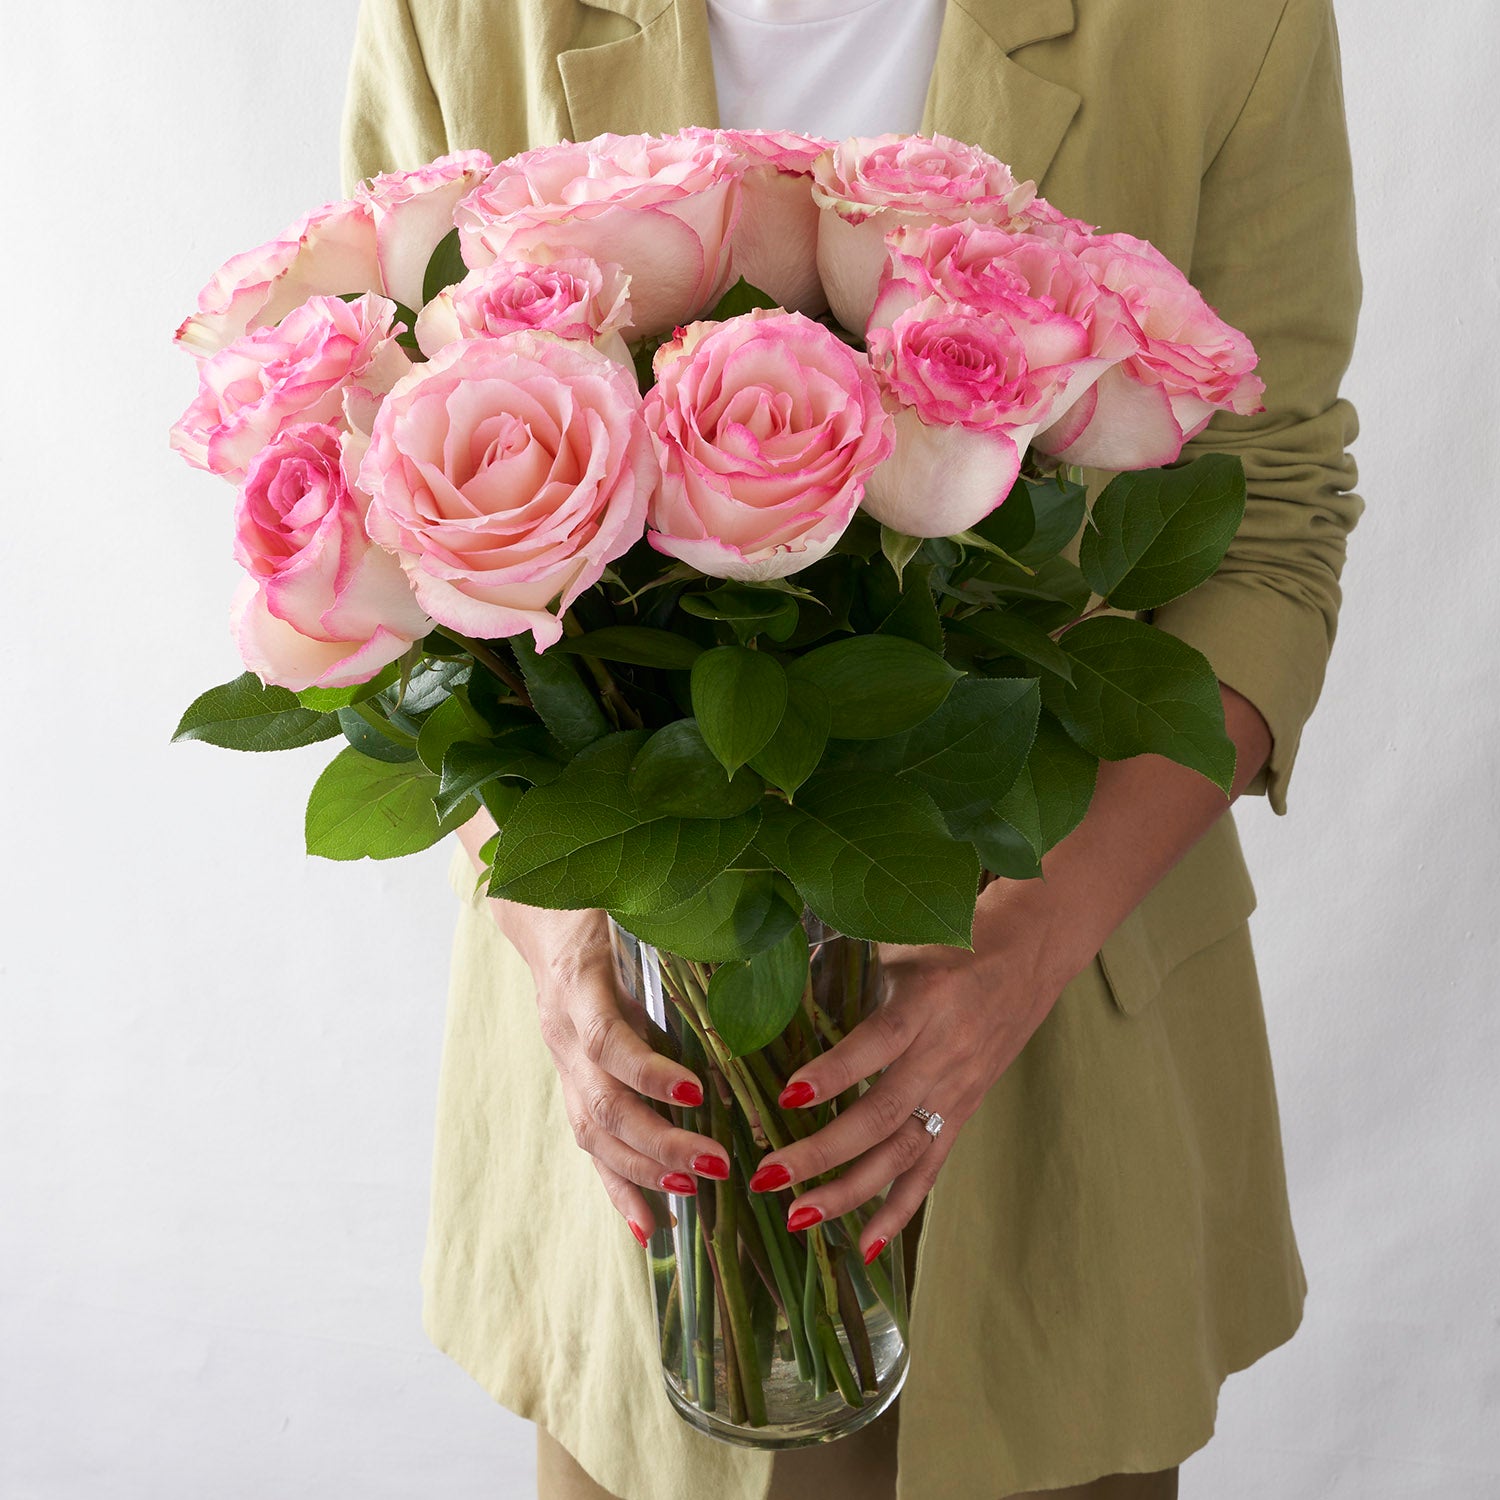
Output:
x,y
931,1120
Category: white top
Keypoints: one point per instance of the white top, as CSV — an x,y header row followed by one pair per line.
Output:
x,y
832,68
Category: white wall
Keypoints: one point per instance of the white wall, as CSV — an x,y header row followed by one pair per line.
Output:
x,y
219,1057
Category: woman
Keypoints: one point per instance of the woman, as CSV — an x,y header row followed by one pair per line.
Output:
x,y
1109,1236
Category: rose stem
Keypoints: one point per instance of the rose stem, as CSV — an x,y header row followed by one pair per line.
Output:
x,y
810,1318
620,711
843,1376
703,1330
487,658
755,1248
671,1321
726,1252
854,1324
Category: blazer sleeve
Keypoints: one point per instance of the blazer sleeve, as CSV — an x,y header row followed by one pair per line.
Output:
x,y
1275,254
392,121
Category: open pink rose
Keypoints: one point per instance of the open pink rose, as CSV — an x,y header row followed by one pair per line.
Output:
x,y
412,212
775,243
867,185
663,207
506,473
330,250
323,606
973,386
576,298
1190,364
766,426
300,370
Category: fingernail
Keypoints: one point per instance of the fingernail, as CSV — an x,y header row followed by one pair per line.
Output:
x,y
637,1231
795,1095
709,1165
876,1246
772,1175
688,1091
679,1182
805,1217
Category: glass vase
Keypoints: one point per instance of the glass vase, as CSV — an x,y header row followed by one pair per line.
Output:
x,y
769,1338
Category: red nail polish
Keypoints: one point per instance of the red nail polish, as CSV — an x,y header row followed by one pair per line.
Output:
x,y
708,1165
805,1216
876,1246
637,1231
769,1177
795,1095
688,1092
679,1182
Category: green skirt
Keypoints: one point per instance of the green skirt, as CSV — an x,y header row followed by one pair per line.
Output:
x,y
1108,1239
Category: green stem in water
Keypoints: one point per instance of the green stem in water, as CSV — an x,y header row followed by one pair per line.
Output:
x,y
737,1326
854,1324
838,1366
703,1329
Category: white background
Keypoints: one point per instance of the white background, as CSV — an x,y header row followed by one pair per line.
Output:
x,y
219,1057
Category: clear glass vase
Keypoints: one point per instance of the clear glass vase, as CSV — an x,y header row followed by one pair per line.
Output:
x,y
769,1338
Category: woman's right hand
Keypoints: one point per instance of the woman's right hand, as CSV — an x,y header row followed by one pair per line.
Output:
x,y
603,1062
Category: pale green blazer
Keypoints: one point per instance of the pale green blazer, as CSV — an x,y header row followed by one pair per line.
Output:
x,y
1131,1158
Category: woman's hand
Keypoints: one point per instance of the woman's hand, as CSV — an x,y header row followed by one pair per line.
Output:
x,y
603,1061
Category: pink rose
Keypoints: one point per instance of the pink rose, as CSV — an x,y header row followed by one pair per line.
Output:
x,y
323,606
974,386
766,427
506,473
1190,364
867,185
300,370
574,298
412,212
330,250
775,243
663,207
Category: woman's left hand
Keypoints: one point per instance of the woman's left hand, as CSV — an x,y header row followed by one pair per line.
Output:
x,y
950,1023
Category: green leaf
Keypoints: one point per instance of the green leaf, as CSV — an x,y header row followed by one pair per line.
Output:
x,y
1037,519
445,266
638,645
971,750
740,298
374,736
739,697
327,700
469,766
1003,848
915,614
582,841
246,715
793,752
1160,532
1137,690
736,915
1051,794
876,685
751,1002
367,809
898,548
748,610
565,705
871,856
677,774
1014,635
451,720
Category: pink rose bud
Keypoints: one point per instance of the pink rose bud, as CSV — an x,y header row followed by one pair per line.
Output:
x,y
973,388
506,473
412,212
663,207
1189,365
867,185
574,298
767,427
323,606
300,370
775,244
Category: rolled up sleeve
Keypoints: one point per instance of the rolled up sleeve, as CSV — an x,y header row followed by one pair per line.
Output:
x,y
1276,256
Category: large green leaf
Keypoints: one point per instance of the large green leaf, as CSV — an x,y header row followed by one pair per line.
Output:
x,y
870,855
750,1002
739,697
736,915
369,732
368,809
583,841
792,753
1014,635
1157,533
451,720
246,715
1137,690
876,685
568,709
747,610
445,267
1037,519
639,645
678,775
915,614
470,765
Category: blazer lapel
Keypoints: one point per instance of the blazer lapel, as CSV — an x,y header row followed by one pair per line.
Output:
x,y
660,77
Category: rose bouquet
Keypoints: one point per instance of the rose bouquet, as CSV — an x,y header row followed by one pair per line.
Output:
x,y
709,509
